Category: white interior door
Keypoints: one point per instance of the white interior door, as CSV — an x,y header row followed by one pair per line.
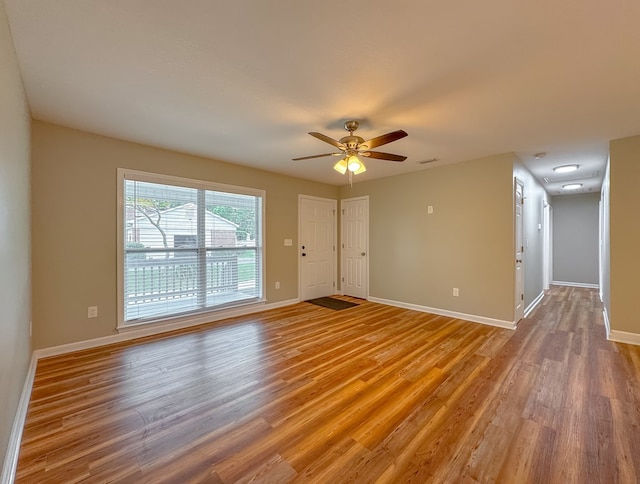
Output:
x,y
519,250
355,247
546,247
316,247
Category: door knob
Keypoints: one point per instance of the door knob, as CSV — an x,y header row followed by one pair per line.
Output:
x,y
303,254
362,253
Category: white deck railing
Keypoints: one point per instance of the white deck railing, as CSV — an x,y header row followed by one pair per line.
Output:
x,y
149,280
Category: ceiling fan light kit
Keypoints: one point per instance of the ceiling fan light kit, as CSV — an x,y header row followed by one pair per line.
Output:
x,y
352,147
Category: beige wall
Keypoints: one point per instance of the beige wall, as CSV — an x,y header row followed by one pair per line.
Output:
x,y
576,238
15,282
624,234
74,225
466,243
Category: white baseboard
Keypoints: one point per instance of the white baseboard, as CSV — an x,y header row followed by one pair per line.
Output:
x,y
624,337
135,332
13,449
619,336
533,304
575,284
443,312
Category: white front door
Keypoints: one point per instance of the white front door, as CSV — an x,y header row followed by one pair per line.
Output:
x,y
355,246
519,250
316,246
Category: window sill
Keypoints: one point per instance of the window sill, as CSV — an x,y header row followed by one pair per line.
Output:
x,y
192,319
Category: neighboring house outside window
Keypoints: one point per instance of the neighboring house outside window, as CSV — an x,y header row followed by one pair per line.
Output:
x,y
186,246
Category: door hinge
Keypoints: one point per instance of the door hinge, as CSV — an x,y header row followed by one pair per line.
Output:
x,y
343,279
334,211
522,297
522,248
342,211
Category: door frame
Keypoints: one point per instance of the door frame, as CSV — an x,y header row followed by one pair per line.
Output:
x,y
334,262
520,314
547,267
364,198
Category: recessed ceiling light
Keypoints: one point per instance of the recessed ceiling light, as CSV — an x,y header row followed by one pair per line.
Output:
x,y
572,186
539,156
566,168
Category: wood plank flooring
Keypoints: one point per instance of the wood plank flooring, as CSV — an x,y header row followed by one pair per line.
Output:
x,y
367,394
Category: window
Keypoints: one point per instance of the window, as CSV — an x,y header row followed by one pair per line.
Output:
x,y
186,246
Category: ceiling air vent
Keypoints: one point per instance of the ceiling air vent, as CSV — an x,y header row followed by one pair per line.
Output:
x,y
424,162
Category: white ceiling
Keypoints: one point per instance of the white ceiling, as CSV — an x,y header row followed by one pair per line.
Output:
x,y
244,81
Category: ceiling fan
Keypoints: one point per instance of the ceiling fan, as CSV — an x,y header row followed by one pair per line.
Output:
x,y
352,147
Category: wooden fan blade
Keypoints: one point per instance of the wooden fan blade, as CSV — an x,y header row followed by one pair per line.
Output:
x,y
382,140
326,139
383,156
316,156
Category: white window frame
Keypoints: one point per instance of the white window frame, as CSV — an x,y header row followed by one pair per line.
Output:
x,y
195,316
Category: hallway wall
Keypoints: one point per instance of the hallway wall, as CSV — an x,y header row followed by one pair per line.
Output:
x,y
575,238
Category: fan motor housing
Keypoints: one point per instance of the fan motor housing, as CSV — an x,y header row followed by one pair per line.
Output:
x,y
352,142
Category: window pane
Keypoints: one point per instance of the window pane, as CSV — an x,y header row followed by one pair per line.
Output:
x,y
188,249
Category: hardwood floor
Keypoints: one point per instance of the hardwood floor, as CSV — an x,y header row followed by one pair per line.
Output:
x,y
367,394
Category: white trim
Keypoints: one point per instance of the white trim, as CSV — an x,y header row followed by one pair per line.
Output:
x,y
443,312
124,174
147,176
624,337
518,230
546,244
190,319
120,221
150,329
13,448
533,304
575,284
607,325
619,336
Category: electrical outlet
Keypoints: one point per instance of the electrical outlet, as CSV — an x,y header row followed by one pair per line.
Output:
x,y
430,209
277,285
456,292
92,312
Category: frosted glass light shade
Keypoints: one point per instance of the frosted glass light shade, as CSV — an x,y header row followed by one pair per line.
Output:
x,y
341,166
355,165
